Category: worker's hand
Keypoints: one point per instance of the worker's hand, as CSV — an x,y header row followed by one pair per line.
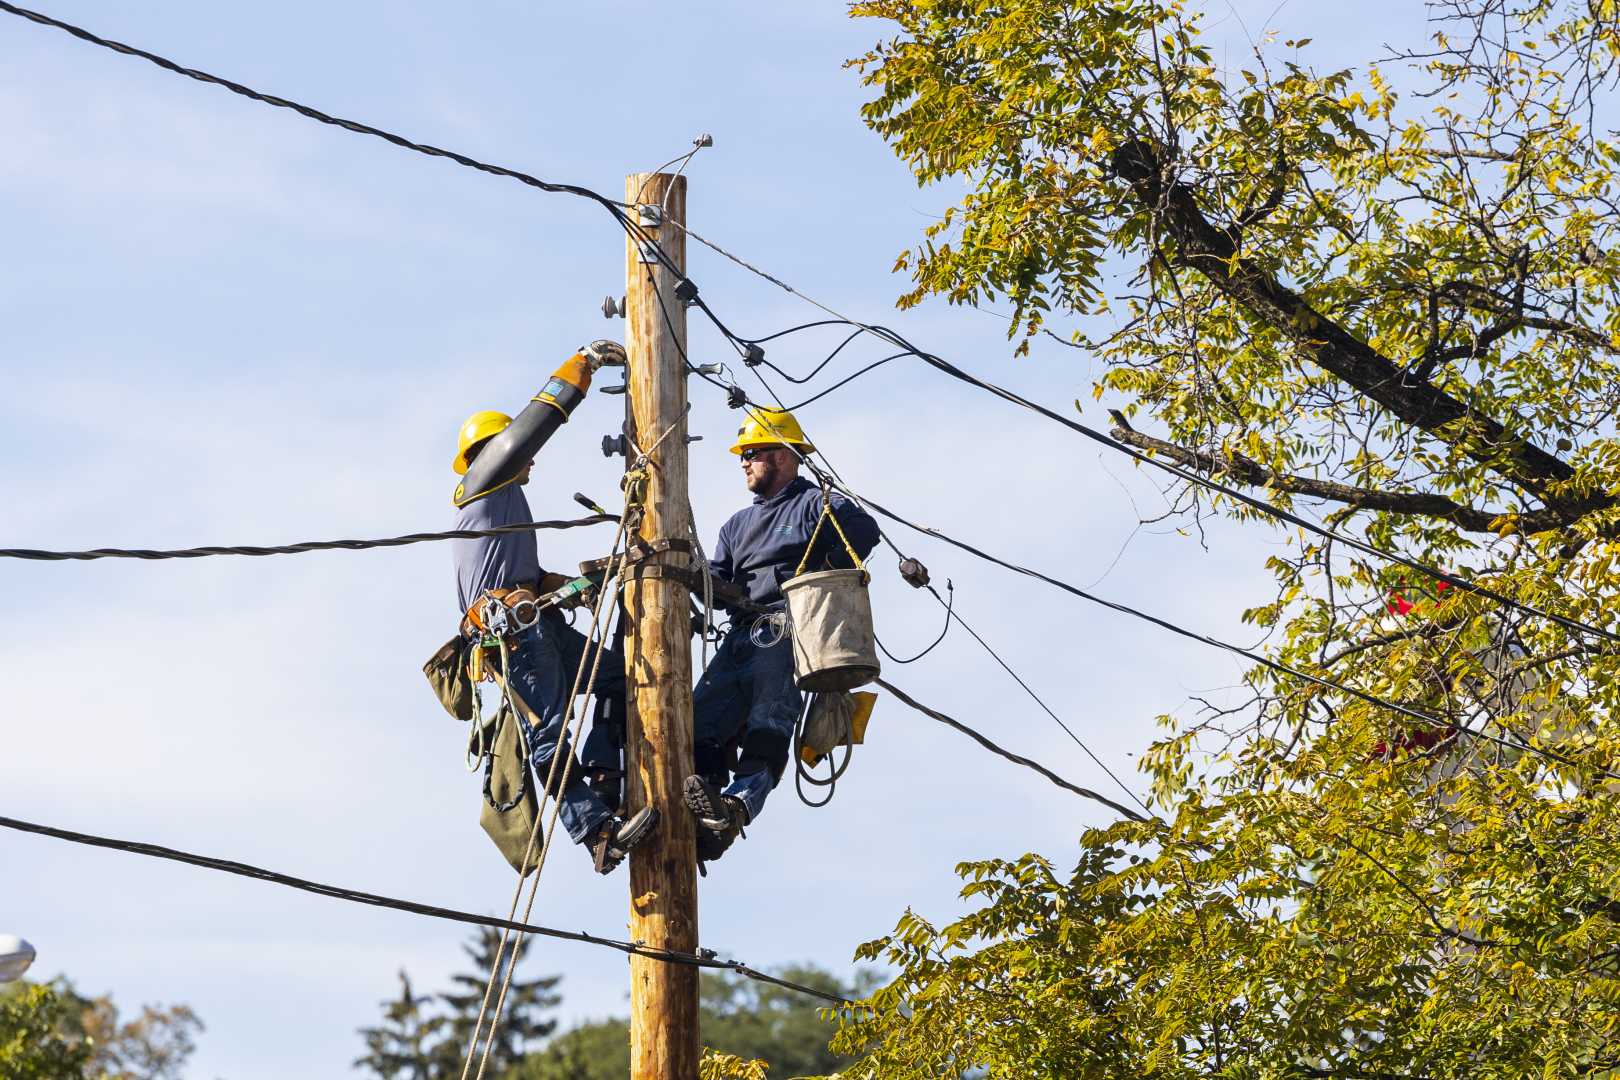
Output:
x,y
550,583
604,352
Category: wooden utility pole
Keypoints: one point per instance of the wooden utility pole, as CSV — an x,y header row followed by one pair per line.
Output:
x,y
664,1041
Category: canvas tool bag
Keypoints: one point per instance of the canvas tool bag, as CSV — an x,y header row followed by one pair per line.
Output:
x,y
508,809
836,718
510,812
447,674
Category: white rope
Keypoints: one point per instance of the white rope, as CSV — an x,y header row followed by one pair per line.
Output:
x,y
597,647
600,646
547,793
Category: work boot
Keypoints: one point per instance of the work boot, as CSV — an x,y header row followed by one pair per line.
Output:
x,y
613,841
720,818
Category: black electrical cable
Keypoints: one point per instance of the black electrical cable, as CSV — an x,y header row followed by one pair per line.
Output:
x,y
1248,654
1246,499
796,329
895,547
950,606
817,370
841,383
615,209
612,206
1008,754
1188,475
296,549
701,959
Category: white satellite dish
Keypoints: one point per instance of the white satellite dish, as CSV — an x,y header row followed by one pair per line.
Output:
x,y
15,956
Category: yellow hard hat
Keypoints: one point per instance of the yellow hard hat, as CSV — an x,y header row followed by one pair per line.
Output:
x,y
479,426
771,427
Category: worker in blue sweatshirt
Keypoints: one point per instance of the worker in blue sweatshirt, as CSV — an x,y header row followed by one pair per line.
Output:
x,y
746,705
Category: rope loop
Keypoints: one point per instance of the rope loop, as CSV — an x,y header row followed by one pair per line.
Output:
x,y
826,514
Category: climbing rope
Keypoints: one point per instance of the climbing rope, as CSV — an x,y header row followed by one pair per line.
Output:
x,y
551,791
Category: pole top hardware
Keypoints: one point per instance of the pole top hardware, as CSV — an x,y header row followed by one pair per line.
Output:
x,y
614,389
611,307
615,444
649,215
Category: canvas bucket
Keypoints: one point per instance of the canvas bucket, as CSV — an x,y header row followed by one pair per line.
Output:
x,y
833,643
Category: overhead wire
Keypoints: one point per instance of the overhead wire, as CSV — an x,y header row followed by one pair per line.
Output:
x,y
883,535
849,492
616,209
704,958
1267,662
38,555
1238,650
1259,505
944,631
1008,754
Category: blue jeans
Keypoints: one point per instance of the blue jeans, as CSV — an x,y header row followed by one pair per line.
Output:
x,y
543,664
744,711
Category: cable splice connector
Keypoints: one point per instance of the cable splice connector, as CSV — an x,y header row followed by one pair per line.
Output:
x,y
914,573
687,291
736,398
755,355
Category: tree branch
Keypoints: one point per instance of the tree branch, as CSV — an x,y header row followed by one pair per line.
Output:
x,y
1246,470
1215,253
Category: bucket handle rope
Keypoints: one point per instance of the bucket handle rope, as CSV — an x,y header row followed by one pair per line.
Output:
x,y
826,513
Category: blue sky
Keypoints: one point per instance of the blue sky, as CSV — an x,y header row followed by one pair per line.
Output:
x,y
220,323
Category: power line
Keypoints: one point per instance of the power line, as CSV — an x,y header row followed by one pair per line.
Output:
x,y
612,206
844,488
704,958
37,555
1248,654
615,208
1188,475
1008,754
1067,730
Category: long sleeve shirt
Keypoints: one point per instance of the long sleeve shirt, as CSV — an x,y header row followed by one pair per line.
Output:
x,y
495,562
760,546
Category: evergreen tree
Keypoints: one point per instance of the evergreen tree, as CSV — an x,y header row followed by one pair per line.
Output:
x,y
743,1022
401,1048
520,1023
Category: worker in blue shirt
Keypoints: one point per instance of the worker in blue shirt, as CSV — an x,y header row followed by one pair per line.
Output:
x,y
746,705
498,584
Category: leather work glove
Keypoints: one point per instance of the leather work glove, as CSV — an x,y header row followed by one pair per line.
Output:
x,y
603,352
